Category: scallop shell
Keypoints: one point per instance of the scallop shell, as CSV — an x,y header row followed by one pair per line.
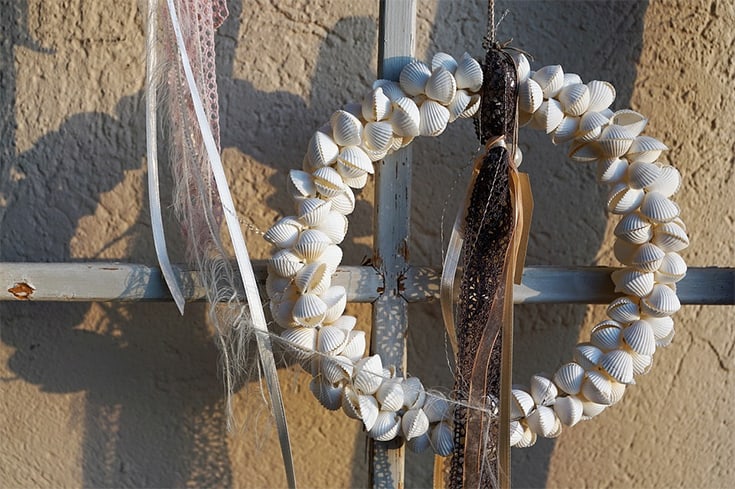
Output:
x,y
597,387
647,258
569,378
436,408
285,263
434,118
355,347
346,128
344,203
413,77
618,390
328,181
543,390
641,363
334,226
386,427
634,229
468,73
622,199
542,421
631,120
659,208
587,356
390,395
313,210
569,410
357,182
590,125
335,298
611,170
368,411
591,409
391,89
347,323
302,184
322,150
670,236
633,282
548,116
378,136
662,327
615,140
458,104
311,244
662,301
414,394
331,340
301,341
602,95
618,364
414,423
606,335
471,108
405,118
441,86
309,310
336,369
523,67
574,99
585,151
521,404
420,443
442,439
646,149
668,182
332,256
376,105
530,96
516,432
328,395
284,233
353,157
672,269
313,278
623,310
566,130
639,337
550,78
368,374
528,439
445,61
641,174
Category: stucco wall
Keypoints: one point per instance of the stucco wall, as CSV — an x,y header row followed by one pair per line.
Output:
x,y
112,395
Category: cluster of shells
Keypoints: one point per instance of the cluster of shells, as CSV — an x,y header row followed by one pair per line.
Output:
x,y
649,237
339,158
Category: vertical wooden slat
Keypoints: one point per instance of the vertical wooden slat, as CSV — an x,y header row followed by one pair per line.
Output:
x,y
391,231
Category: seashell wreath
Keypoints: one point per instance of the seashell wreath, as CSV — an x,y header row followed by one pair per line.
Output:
x,y
339,159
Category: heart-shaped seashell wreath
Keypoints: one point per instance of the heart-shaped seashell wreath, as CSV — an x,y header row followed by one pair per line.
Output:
x,y
339,158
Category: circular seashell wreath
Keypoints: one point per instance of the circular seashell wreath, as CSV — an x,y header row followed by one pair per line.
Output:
x,y
339,158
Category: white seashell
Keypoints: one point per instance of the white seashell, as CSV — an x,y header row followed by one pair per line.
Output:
x,y
390,395
631,120
328,181
591,409
569,378
662,327
441,86
590,125
659,208
414,423
574,99
543,390
285,263
569,410
414,394
469,73
346,128
524,118
344,203
282,312
368,411
309,310
335,298
602,95
378,136
442,439
355,347
661,302
351,403
548,116
445,61
641,363
368,374
301,183
328,395
353,162
622,199
386,427
311,244
336,369
357,182
585,151
530,96
332,256
376,105
571,79
313,278
639,337
284,233
516,432
347,323
301,341
672,269
566,130
667,183
434,118
458,104
633,282
471,108
624,251
391,89
634,229
615,140
521,404
313,210
331,340
405,117
641,174
528,439
436,408
550,78
597,387
646,149
413,77
623,310
618,389
322,150
647,257
670,236
542,421
618,364
606,335
420,443
611,170
523,67
275,285
334,226
587,356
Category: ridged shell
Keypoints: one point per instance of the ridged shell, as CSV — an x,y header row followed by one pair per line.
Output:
x,y
602,95
413,77
548,116
550,79
662,301
615,141
332,256
646,149
528,439
346,128
436,408
639,337
354,158
641,363
672,269
414,423
445,61
347,323
302,341
471,108
322,150
585,151
284,233
622,199
597,387
420,443
647,258
591,409
634,229
569,410
516,432
670,237
617,391
590,125
574,99
390,395
368,411
641,174
391,89
386,427
351,403
623,310
376,105
530,96
633,282
405,118
441,86
331,340
335,298
543,390
309,310
523,67
659,208
458,104
285,263
357,182
434,118
569,378
301,183
468,73
378,136
344,203
542,421
282,312
521,404
587,356
624,251
368,375
311,244
606,335
334,226
618,364
631,120
566,130
611,170
336,369
313,278
312,210
414,394
355,348
442,439
662,327
329,396
668,182
328,181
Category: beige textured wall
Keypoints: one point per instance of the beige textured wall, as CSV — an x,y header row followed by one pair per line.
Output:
x,y
110,395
